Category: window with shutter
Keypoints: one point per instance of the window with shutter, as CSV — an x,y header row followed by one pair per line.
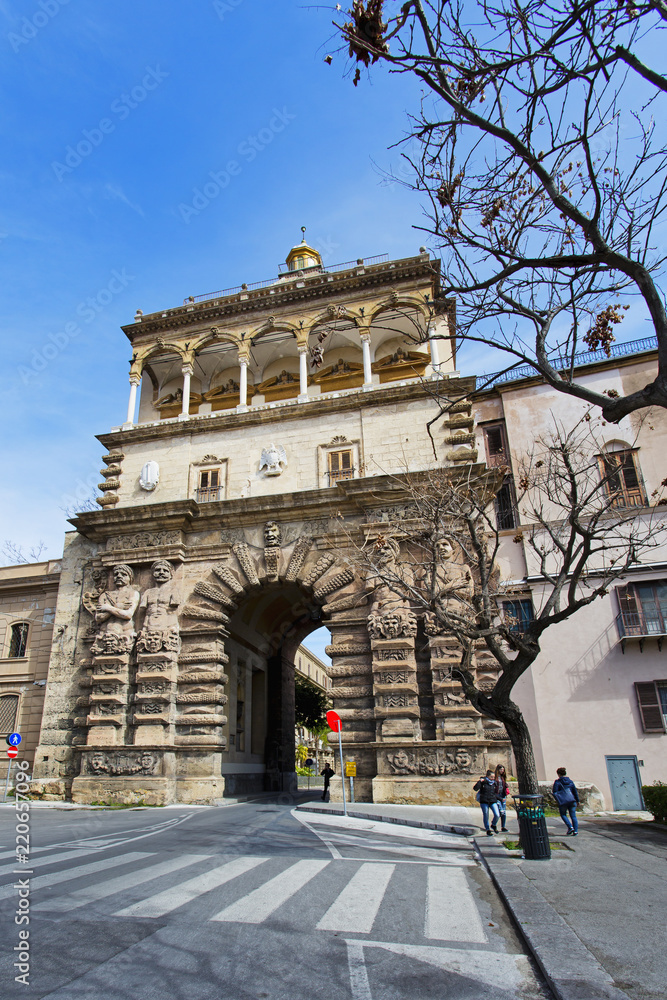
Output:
x,y
642,609
19,639
650,707
340,466
9,704
622,479
209,486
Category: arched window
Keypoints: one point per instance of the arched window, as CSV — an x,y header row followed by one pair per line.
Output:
x,y
9,704
19,639
621,475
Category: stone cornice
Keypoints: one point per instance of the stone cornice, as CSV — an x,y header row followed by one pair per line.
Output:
x,y
316,407
349,498
322,286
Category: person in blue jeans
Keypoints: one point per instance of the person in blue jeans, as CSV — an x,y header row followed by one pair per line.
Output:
x,y
567,797
488,800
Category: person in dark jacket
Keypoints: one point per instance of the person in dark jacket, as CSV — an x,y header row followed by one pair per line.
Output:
x,y
502,789
567,797
327,774
488,800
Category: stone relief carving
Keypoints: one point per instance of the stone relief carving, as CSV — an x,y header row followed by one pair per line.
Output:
x,y
298,557
392,654
392,624
144,540
431,762
319,569
113,611
160,628
123,763
396,700
394,677
150,476
273,461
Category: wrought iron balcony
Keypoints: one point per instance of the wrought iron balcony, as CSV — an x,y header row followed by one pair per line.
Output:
x,y
208,494
639,625
339,475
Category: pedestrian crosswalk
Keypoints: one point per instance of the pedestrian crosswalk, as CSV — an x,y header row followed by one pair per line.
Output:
x,y
342,896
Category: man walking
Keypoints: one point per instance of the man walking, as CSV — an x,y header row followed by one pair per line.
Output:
x,y
327,774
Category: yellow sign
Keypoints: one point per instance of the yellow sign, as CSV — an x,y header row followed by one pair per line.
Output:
x,y
350,770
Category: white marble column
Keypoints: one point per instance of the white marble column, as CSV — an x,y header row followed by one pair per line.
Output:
x,y
303,373
135,382
243,386
187,375
366,349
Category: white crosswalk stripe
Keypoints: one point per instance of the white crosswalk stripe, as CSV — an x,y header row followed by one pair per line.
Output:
x,y
357,905
41,862
179,895
258,905
101,890
54,878
451,913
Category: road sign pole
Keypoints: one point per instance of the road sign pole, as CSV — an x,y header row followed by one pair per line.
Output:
x,y
9,771
351,789
342,770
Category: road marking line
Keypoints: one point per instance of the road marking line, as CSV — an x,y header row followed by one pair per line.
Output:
x,y
103,889
261,903
56,877
359,985
451,911
164,902
357,905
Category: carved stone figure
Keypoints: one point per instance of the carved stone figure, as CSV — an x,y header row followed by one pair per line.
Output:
x,y
160,629
392,624
122,763
272,534
453,580
380,578
273,461
113,614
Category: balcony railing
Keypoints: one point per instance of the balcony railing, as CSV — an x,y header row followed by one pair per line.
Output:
x,y
563,364
640,625
340,475
208,494
253,286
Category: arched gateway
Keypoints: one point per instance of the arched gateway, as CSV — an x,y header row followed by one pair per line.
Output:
x,y
227,535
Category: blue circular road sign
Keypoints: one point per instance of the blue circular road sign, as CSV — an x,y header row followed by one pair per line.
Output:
x,y
14,739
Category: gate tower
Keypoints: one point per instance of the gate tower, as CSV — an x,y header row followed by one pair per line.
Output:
x,y
273,422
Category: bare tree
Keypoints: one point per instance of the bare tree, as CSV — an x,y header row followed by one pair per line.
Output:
x,y
578,536
14,554
541,157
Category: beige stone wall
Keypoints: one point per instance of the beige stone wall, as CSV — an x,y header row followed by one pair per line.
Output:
x,y
28,593
389,437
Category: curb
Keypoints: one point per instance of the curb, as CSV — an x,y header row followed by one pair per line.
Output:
x,y
551,941
463,831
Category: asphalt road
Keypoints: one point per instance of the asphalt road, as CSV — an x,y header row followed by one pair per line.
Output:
x,y
251,901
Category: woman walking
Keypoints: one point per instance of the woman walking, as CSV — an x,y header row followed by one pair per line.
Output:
x,y
502,788
567,797
487,796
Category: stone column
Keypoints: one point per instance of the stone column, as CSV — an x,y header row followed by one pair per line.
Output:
x,y
395,685
366,349
187,375
135,382
243,384
303,373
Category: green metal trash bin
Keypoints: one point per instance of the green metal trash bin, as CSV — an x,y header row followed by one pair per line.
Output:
x,y
533,832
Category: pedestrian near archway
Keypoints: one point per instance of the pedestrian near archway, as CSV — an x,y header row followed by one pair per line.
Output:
x,y
567,797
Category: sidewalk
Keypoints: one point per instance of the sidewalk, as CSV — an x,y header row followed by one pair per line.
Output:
x,y
593,916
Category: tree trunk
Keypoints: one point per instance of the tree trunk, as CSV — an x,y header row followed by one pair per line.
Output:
x,y
522,745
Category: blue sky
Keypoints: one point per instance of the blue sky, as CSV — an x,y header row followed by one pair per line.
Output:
x,y
113,119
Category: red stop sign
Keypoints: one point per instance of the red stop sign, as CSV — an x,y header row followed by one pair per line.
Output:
x,y
334,721
12,751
